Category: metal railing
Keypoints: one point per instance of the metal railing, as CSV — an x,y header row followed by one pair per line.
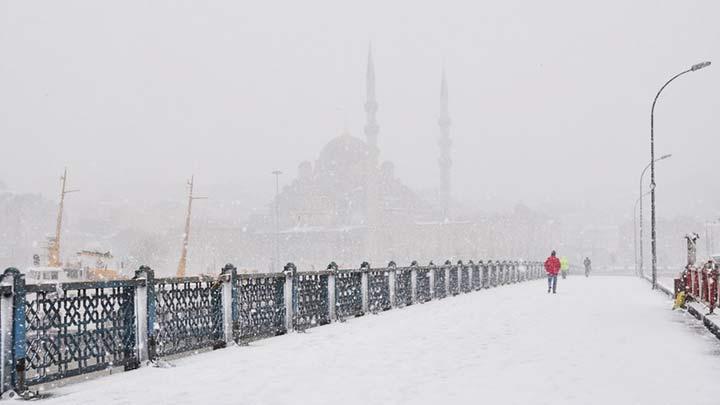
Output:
x,y
50,332
701,284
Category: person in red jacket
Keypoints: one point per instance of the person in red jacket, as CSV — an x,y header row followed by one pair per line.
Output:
x,y
552,268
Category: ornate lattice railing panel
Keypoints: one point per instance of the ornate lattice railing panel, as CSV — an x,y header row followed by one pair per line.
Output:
x,y
423,292
465,279
493,274
348,293
403,287
454,284
311,295
78,328
261,305
476,277
188,314
378,290
440,290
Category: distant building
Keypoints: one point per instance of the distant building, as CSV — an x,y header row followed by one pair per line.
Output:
x,y
349,207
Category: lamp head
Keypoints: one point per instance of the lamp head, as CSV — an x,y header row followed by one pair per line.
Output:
x,y
699,66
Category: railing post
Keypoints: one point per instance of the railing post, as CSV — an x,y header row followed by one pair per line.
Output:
x,y
413,281
529,271
144,333
365,267
332,291
446,269
459,270
540,270
12,313
231,324
6,316
431,275
503,273
13,331
391,271
290,295
531,268
481,271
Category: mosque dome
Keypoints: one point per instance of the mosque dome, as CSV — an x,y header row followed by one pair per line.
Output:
x,y
345,156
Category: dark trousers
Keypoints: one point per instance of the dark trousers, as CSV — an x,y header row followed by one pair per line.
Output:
x,y
552,282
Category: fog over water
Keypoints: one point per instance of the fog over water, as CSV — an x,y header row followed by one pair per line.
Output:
x,y
549,101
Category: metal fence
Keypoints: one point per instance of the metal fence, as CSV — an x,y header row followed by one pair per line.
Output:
x,y
55,331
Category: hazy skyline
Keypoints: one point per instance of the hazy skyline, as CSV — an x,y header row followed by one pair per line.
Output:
x,y
549,102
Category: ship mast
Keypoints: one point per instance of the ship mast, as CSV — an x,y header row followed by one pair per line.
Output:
x,y
186,236
54,260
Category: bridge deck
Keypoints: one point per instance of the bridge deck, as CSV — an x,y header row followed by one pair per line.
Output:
x,y
603,340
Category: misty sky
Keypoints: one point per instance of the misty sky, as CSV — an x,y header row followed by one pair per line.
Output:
x,y
550,100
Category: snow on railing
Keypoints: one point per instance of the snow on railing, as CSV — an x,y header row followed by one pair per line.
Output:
x,y
701,284
50,332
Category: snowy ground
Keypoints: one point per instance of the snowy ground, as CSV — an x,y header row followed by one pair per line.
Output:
x,y
602,340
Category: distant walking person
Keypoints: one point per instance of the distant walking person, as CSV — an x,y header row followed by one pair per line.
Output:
x,y
587,267
564,266
552,268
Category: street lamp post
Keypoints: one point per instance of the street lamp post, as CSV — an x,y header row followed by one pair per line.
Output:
x,y
276,260
642,175
638,269
652,168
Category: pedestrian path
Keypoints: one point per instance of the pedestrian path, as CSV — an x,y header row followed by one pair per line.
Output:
x,y
600,340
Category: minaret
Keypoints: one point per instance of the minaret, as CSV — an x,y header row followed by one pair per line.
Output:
x,y
445,161
371,134
371,105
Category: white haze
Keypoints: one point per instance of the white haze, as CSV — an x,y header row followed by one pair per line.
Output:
x,y
549,101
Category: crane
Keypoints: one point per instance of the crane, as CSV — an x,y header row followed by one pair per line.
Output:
x,y
54,248
186,236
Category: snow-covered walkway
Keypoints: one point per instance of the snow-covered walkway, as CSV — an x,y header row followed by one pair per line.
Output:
x,y
602,340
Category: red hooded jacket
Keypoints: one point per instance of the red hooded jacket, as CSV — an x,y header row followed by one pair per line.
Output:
x,y
552,265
